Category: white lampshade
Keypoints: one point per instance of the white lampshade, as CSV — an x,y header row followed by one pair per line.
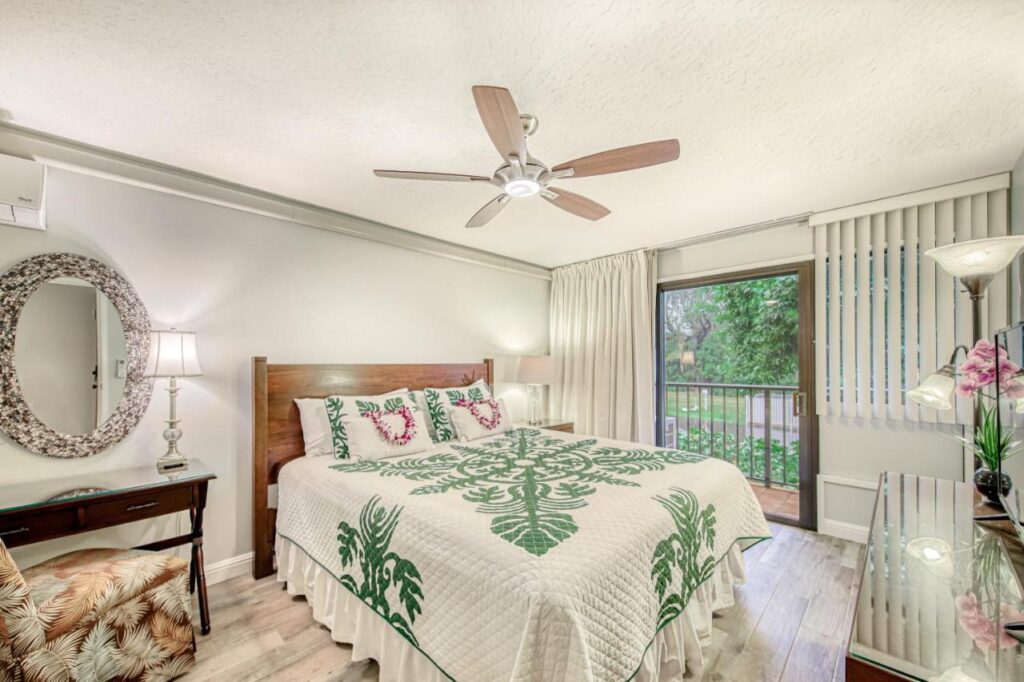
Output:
x,y
173,354
688,357
936,391
535,369
978,257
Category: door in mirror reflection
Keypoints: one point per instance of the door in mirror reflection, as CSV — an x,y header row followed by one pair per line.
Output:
x,y
70,355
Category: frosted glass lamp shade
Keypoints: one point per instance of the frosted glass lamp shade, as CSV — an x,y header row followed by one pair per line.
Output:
x,y
535,369
978,257
173,354
936,391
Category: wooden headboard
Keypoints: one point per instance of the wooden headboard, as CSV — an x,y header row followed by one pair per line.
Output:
x,y
277,433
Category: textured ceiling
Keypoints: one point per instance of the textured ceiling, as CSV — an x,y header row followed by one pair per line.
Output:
x,y
780,106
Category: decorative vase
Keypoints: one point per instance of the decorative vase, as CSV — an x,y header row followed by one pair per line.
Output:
x,y
985,482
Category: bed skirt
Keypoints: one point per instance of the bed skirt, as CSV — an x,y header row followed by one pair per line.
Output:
x,y
676,649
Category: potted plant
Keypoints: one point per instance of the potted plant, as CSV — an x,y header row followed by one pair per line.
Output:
x,y
990,443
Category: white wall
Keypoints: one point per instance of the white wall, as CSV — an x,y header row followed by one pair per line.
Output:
x,y
249,286
781,243
852,452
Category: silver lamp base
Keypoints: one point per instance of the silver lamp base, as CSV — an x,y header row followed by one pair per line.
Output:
x,y
172,460
172,465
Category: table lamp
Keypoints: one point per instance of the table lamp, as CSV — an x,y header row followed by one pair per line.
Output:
x,y
535,371
172,354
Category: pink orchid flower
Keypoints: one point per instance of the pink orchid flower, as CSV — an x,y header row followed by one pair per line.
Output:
x,y
1014,389
967,387
980,627
983,350
979,369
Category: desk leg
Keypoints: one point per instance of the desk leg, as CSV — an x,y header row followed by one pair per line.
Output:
x,y
197,571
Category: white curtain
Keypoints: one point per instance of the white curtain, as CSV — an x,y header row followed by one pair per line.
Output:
x,y
602,340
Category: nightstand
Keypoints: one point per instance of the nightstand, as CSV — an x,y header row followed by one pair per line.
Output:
x,y
552,425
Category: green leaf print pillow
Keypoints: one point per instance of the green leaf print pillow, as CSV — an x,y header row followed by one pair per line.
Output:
x,y
341,405
440,402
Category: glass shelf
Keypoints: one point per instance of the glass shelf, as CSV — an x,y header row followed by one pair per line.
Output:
x,y
937,587
40,493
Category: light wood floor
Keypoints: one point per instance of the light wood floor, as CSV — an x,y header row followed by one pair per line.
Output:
x,y
789,623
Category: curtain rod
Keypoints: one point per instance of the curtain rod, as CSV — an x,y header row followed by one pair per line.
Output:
x,y
734,231
713,236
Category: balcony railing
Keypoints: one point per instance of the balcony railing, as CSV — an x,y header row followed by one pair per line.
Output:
x,y
754,427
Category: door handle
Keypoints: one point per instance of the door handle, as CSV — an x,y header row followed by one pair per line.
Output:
x,y
799,404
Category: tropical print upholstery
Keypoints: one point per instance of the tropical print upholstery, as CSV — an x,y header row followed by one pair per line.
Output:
x,y
95,615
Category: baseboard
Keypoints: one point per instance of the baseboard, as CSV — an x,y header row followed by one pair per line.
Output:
x,y
229,568
841,529
844,530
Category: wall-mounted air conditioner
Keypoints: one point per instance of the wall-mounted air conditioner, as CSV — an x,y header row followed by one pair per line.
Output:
x,y
22,187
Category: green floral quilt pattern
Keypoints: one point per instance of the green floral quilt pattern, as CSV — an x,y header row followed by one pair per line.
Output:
x,y
383,572
529,481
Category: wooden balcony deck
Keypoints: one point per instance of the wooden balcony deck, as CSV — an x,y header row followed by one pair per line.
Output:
x,y
778,501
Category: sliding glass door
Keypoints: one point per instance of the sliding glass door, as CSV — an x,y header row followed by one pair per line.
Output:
x,y
736,373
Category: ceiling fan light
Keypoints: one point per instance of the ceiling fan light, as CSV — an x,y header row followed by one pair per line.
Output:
x,y
522,187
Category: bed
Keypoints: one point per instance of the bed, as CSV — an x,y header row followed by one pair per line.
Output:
x,y
528,555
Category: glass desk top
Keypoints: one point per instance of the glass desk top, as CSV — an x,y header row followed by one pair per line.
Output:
x,y
937,587
41,493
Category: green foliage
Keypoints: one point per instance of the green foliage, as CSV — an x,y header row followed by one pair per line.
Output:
x,y
740,332
746,453
989,444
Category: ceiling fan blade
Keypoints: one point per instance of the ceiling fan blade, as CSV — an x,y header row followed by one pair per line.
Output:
x,y
622,159
576,204
490,209
501,120
417,175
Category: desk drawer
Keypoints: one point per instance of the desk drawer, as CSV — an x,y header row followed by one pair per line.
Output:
x,y
143,505
22,528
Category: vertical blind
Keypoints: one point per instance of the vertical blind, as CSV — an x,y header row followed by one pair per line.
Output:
x,y
887,316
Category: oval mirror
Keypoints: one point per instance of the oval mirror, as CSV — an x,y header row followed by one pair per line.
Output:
x,y
74,337
70,355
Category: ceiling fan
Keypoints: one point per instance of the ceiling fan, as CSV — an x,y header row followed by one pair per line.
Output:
x,y
524,176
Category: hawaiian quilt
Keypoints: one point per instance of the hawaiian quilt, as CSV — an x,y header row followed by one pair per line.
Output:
x,y
530,555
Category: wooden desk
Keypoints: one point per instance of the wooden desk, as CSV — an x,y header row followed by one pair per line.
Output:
x,y
45,510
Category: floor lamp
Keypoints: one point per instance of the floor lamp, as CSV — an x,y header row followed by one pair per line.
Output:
x,y
974,263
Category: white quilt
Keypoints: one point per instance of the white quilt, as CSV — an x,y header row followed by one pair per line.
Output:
x,y
535,555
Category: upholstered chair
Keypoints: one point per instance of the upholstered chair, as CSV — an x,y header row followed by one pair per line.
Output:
x,y
97,615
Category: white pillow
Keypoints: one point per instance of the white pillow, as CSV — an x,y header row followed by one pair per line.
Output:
x,y
440,401
487,421
317,435
387,433
316,427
